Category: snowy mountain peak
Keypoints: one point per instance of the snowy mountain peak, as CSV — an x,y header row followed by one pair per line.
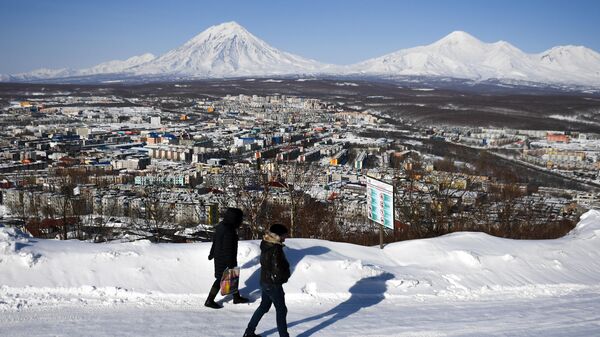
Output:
x,y
227,30
579,63
228,50
458,37
460,55
570,52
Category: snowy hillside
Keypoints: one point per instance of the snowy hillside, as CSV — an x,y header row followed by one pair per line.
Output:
x,y
575,64
456,265
483,274
110,67
43,73
460,55
229,50
117,66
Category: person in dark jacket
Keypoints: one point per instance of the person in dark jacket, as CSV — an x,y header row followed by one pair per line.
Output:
x,y
274,272
224,253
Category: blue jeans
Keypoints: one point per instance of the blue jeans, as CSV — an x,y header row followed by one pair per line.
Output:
x,y
271,294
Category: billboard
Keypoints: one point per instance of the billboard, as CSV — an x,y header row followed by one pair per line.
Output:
x,y
380,202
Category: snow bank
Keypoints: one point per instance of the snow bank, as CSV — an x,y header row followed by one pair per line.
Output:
x,y
460,265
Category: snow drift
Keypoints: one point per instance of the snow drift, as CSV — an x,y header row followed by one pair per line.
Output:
x,y
460,265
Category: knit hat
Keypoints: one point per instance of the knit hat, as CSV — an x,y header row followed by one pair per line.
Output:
x,y
278,229
233,216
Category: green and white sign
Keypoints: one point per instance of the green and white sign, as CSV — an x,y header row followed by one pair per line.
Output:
x,y
380,202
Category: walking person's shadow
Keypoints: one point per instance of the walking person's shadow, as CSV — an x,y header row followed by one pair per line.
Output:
x,y
365,293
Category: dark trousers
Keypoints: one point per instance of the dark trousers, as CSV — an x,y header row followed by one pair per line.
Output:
x,y
216,285
271,294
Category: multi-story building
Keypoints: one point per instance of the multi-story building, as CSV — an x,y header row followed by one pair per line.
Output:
x,y
170,152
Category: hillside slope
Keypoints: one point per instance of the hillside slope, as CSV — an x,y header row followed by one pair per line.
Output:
x,y
463,284
455,265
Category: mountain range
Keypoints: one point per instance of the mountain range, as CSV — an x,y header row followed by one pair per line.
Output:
x,y
228,50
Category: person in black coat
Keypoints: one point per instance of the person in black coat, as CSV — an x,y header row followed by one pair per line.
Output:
x,y
274,272
224,253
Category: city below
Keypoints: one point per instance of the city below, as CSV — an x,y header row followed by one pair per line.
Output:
x,y
300,168
161,161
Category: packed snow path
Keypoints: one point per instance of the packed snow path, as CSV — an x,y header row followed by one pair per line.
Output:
x,y
463,284
571,315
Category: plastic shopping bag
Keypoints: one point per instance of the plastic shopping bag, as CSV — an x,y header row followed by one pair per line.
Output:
x,y
230,281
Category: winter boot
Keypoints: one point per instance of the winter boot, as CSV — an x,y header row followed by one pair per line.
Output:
x,y
251,334
210,300
237,299
212,304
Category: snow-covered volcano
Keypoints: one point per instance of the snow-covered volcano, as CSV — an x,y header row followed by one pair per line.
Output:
x,y
575,64
221,51
460,55
228,50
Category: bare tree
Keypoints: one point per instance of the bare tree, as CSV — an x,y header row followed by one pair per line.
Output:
x,y
106,208
16,204
412,199
65,208
154,212
296,178
250,191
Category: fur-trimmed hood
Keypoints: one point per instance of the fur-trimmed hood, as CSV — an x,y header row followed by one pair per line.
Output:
x,y
272,238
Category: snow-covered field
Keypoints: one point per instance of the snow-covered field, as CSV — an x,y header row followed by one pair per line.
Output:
x,y
463,284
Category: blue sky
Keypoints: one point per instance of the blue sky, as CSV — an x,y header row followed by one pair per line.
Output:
x,y
76,34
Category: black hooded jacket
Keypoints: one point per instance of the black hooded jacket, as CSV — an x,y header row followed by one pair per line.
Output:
x,y
274,267
225,241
